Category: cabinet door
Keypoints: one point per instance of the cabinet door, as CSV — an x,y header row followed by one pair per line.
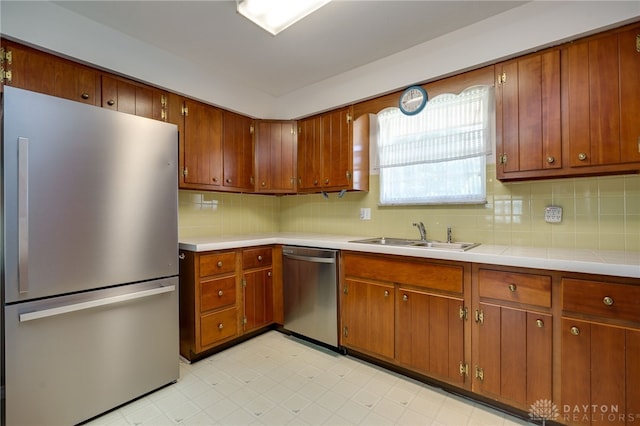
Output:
x,y
276,157
133,98
596,365
258,298
237,151
367,315
335,135
309,154
630,95
202,145
514,360
528,137
430,334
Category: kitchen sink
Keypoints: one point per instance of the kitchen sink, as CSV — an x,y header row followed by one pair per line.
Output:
x,y
426,244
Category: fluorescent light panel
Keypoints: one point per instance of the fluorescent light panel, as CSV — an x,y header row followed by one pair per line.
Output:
x,y
277,15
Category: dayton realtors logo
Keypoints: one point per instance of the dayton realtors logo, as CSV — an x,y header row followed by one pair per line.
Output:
x,y
543,409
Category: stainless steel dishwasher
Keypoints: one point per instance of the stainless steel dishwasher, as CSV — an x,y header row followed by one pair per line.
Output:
x,y
310,278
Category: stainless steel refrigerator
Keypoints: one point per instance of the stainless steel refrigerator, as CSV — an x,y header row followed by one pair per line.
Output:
x,y
90,258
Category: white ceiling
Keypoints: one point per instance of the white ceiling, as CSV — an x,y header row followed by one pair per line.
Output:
x,y
341,36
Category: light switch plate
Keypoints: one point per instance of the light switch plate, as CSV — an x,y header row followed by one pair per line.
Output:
x,y
365,213
553,214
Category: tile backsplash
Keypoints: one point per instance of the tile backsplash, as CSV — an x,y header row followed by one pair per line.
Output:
x,y
598,213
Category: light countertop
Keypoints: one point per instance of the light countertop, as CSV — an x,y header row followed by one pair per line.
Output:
x,y
615,263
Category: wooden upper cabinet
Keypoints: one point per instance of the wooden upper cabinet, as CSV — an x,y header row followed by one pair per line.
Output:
x,y
133,98
528,131
601,103
330,157
41,72
237,151
202,152
275,151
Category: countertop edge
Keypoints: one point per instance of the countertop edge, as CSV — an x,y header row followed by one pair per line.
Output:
x,y
621,264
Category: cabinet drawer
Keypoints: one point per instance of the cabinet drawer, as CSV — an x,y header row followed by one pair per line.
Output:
x,y
616,301
217,263
515,287
256,257
217,293
218,326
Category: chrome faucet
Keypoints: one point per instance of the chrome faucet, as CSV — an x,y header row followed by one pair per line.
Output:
x,y
423,232
449,237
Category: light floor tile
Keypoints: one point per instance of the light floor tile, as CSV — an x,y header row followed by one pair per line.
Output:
x,y
275,380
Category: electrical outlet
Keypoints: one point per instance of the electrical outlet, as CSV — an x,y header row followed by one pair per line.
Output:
x,y
365,213
553,214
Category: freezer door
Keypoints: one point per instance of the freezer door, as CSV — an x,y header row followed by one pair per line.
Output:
x,y
71,358
90,197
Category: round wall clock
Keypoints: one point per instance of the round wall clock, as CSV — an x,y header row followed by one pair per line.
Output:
x,y
413,100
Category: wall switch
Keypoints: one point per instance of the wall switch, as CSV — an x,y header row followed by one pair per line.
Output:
x,y
553,214
365,213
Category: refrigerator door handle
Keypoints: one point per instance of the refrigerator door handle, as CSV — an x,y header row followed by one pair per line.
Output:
x,y
65,309
23,215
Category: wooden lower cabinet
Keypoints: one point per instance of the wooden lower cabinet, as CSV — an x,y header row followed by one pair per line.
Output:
x,y
367,317
223,295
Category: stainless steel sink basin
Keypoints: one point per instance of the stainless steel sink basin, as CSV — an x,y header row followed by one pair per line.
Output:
x,y
428,244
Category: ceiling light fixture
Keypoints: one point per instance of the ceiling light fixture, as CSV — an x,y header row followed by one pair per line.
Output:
x,y
277,15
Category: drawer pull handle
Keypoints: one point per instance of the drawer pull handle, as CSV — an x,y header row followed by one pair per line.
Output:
x,y
539,323
84,95
219,263
405,298
575,330
111,102
607,301
512,287
220,326
220,293
259,258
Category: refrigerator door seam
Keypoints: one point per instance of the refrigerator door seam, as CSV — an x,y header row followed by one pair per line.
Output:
x,y
23,215
46,313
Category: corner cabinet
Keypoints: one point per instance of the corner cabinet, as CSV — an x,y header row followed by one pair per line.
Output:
x,y
409,311
513,331
333,152
223,295
275,157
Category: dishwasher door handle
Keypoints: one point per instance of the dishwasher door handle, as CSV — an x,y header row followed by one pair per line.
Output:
x,y
311,258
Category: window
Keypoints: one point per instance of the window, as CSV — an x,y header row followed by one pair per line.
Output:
x,y
439,155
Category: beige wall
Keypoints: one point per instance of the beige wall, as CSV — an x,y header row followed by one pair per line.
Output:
x,y
599,213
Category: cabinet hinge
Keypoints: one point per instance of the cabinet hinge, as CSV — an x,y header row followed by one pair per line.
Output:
x,y
464,369
479,316
6,55
464,313
503,158
637,44
244,320
185,110
502,78
185,172
251,129
5,76
349,118
345,331
163,101
479,373
345,290
244,283
348,175
163,115
638,143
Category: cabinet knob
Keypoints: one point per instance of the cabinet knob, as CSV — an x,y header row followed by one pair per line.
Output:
x,y
315,182
228,180
326,181
405,298
215,179
220,293
220,326
607,301
269,273
582,156
84,95
219,264
575,330
551,159
111,102
512,287
386,293
259,258
539,323
263,183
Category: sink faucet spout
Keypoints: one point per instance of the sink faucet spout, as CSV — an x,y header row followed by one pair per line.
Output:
x,y
421,229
